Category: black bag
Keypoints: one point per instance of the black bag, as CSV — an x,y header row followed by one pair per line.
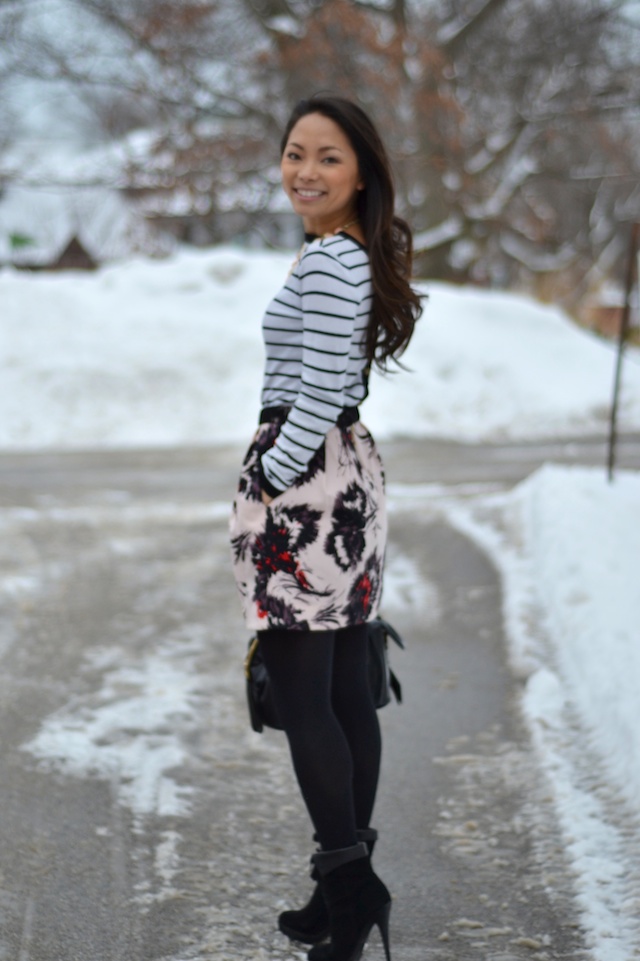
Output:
x,y
262,709
382,679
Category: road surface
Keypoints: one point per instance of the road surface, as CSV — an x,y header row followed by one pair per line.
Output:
x,y
142,819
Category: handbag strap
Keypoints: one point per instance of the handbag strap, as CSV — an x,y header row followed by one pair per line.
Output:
x,y
391,631
253,646
395,686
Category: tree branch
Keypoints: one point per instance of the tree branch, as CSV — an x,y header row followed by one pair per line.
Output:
x,y
456,35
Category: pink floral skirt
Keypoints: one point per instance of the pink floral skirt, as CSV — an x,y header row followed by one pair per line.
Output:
x,y
313,559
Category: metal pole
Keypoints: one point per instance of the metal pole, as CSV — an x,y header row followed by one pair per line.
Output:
x,y
622,336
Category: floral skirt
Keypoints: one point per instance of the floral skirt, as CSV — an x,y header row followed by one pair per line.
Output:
x,y
312,560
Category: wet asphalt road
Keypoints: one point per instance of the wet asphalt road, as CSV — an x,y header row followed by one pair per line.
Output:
x,y
140,819
209,473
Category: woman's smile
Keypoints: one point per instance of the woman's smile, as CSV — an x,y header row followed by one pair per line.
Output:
x,y
306,194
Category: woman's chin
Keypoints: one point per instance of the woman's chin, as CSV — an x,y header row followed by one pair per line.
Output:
x,y
307,208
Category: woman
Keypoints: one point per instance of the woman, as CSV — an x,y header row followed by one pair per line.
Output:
x,y
309,522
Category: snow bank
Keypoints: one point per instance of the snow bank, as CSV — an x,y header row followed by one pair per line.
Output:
x,y
495,365
582,538
145,353
155,353
567,544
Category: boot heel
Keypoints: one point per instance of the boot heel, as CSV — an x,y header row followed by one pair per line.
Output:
x,y
357,901
382,920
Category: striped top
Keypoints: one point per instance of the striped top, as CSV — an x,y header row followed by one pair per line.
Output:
x,y
314,332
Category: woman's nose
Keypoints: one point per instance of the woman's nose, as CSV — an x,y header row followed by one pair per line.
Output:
x,y
308,171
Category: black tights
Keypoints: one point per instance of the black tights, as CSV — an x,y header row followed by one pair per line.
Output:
x,y
321,687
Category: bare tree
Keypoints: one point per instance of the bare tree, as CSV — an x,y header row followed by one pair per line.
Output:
x,y
513,123
549,94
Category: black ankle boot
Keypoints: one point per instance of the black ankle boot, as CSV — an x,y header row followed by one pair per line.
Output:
x,y
310,924
356,900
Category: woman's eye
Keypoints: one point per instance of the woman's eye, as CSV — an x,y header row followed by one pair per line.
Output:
x,y
330,160
292,155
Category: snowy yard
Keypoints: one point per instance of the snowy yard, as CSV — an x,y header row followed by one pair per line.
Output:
x,y
154,353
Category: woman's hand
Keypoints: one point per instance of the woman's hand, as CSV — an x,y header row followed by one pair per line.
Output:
x,y
266,500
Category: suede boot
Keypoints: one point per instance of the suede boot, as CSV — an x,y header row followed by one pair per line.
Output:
x,y
356,900
310,924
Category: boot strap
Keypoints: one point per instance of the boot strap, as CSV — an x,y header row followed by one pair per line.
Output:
x,y
327,861
367,834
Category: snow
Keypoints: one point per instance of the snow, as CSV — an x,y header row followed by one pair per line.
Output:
x,y
49,217
98,741
535,259
37,161
157,353
568,547
446,231
593,603
168,352
567,544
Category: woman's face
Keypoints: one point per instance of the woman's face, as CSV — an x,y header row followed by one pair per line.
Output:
x,y
320,174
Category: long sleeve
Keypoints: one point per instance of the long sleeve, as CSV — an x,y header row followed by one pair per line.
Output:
x,y
334,300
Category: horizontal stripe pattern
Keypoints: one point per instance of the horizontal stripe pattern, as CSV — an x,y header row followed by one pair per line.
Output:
x,y
314,333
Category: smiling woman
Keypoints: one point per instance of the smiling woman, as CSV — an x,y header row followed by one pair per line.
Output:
x,y
320,176
308,529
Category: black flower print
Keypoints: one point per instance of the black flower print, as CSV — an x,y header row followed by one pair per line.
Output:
x,y
277,613
276,549
288,530
365,590
249,483
315,466
348,460
346,541
303,521
240,545
367,439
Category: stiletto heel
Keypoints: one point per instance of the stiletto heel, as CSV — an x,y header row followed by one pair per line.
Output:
x,y
383,926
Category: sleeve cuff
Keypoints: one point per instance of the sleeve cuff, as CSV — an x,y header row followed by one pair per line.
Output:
x,y
266,484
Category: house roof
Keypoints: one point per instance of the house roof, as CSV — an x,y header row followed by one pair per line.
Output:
x,y
37,223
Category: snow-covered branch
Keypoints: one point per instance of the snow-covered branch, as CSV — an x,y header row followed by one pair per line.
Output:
x,y
444,233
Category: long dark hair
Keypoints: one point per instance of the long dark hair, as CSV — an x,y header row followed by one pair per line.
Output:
x,y
396,306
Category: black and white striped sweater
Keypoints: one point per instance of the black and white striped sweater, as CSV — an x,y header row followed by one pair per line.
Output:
x,y
314,332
